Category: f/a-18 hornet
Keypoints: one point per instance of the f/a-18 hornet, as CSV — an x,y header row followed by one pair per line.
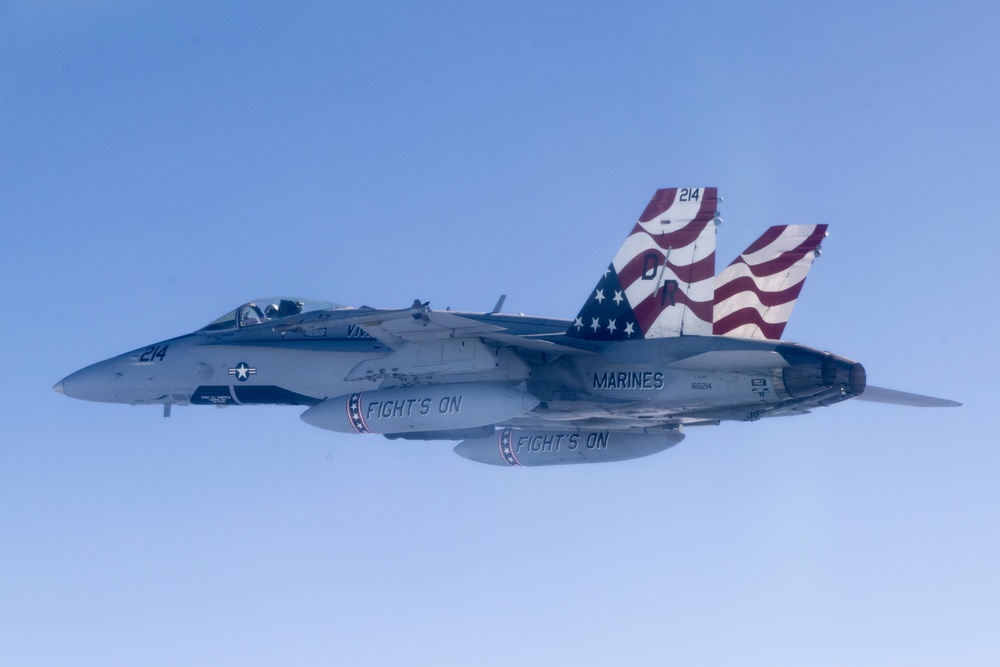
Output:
x,y
661,344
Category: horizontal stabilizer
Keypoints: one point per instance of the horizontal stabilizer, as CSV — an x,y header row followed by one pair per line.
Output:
x,y
895,397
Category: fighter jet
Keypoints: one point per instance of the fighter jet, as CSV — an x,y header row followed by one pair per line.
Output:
x,y
661,344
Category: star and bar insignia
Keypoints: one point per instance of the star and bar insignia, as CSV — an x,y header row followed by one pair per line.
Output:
x,y
243,371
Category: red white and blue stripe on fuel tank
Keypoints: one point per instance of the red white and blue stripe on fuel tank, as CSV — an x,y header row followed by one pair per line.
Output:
x,y
354,413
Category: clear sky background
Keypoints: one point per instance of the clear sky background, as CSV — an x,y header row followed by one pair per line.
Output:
x,y
163,162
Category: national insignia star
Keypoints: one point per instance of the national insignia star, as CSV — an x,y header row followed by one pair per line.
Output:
x,y
596,324
611,326
243,371
578,323
628,329
618,298
600,296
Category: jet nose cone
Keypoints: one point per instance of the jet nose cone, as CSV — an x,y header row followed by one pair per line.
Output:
x,y
92,383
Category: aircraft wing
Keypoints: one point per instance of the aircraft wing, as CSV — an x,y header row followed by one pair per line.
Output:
x,y
363,317
437,325
419,323
430,325
392,327
536,344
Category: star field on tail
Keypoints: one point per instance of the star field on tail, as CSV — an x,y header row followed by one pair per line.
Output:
x,y
609,318
661,281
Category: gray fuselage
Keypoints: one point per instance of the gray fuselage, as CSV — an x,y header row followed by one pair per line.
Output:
x,y
620,385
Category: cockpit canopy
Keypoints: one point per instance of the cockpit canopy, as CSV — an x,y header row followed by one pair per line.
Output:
x,y
260,311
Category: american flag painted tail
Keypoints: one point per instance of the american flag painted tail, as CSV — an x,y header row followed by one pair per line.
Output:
x,y
662,281
754,295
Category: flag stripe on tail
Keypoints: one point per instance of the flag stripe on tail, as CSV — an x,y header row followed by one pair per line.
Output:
x,y
754,295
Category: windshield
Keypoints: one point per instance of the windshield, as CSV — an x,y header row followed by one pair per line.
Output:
x,y
260,311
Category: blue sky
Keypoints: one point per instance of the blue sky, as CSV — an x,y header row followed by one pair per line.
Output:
x,y
161,163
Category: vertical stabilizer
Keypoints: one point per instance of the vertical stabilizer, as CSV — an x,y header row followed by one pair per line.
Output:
x,y
661,283
754,295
